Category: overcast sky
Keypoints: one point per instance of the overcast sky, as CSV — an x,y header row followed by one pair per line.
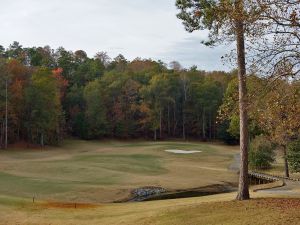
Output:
x,y
134,28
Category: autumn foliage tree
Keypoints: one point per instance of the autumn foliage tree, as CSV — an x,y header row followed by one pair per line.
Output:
x,y
279,115
226,20
94,98
95,113
43,93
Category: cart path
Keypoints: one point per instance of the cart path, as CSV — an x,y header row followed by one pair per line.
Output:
x,y
291,188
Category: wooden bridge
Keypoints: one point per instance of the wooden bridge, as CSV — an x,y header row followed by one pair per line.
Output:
x,y
262,178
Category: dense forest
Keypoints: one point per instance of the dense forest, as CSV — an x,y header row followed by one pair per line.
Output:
x,y
55,93
47,95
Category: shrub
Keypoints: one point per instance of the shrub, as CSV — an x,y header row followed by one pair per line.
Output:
x,y
293,155
261,154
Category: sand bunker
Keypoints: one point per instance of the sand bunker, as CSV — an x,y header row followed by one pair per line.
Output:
x,y
177,151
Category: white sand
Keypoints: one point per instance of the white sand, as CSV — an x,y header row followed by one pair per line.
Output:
x,y
177,151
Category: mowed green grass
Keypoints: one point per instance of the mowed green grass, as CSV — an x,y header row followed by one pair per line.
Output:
x,y
107,171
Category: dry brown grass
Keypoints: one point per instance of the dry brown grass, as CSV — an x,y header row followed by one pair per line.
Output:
x,y
89,172
209,210
67,205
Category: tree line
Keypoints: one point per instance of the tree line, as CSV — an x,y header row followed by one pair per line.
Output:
x,y
50,94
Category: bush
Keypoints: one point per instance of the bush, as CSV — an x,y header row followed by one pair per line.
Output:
x,y
293,155
224,134
261,154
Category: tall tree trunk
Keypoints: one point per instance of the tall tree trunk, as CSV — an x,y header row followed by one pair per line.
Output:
x,y
210,126
214,128
286,164
243,191
183,108
1,135
199,124
6,114
169,128
155,136
18,133
203,125
183,121
160,124
42,140
183,125
175,120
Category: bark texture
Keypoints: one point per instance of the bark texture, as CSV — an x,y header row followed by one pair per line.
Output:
x,y
243,190
286,164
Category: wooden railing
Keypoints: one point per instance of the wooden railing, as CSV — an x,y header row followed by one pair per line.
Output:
x,y
270,176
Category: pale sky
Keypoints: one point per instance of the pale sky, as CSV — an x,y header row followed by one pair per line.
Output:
x,y
134,28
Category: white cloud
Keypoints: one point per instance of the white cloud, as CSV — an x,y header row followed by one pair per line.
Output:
x,y
143,28
190,52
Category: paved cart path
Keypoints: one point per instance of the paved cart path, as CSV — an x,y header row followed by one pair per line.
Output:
x,y
291,188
